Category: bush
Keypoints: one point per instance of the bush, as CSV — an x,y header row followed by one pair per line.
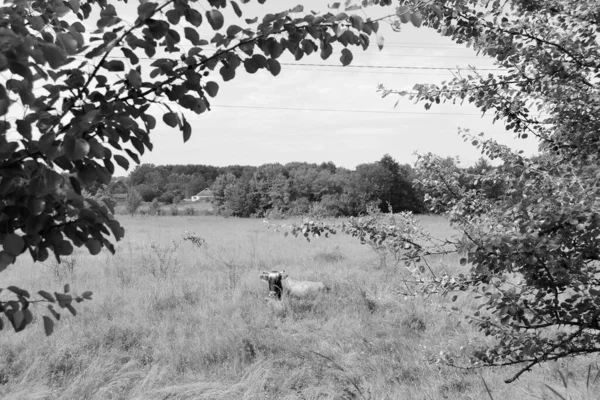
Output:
x,y
148,193
166,198
174,211
155,208
189,211
134,200
275,213
300,206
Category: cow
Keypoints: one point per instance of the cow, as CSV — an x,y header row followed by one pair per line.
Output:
x,y
274,279
279,282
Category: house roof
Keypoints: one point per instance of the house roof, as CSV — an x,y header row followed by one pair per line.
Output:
x,y
205,192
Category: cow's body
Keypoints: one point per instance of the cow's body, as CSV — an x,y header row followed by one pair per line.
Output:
x,y
303,289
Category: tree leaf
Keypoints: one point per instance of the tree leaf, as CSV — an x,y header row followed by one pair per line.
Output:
x,y
212,88
18,291
17,320
174,15
215,19
403,12
227,73
13,244
122,161
346,57
48,325
187,130
63,248
326,51
87,295
236,8
380,40
273,66
71,309
114,65
192,35
416,19
68,42
171,119
134,78
94,246
193,17
233,30
146,10
133,58
55,55
78,150
47,296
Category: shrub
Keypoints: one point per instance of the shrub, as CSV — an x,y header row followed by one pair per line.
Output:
x,y
134,200
166,198
155,208
189,210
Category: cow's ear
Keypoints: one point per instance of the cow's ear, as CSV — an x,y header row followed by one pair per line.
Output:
x,y
264,278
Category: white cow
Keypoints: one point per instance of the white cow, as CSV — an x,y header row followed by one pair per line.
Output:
x,y
279,281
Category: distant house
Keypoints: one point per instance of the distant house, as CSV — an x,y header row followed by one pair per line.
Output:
x,y
205,195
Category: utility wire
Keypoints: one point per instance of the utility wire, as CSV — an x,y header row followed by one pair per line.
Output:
x,y
391,67
412,67
339,110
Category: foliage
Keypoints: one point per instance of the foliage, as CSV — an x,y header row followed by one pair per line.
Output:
x,y
167,198
533,250
302,188
17,309
134,201
155,208
193,238
394,237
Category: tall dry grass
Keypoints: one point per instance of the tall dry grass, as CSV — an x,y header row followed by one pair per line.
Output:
x,y
172,321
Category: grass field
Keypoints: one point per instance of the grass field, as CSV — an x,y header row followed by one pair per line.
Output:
x,y
171,321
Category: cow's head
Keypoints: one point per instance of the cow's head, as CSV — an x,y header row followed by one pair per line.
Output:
x,y
274,279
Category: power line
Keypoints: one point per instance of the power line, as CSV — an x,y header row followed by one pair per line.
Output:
x,y
412,67
367,72
418,55
338,110
391,67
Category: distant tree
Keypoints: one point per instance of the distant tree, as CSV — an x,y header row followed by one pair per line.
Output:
x,y
220,188
270,186
147,192
133,202
105,196
329,166
166,198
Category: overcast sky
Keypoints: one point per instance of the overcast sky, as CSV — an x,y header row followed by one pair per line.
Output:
x,y
326,112
333,113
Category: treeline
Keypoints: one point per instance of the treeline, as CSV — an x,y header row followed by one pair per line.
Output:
x,y
325,190
296,188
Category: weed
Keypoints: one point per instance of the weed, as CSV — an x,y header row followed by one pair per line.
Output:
x,y
64,270
163,259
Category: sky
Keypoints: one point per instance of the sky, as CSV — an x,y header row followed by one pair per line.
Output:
x,y
326,112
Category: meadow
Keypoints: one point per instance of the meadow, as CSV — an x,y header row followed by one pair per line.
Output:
x,y
169,320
